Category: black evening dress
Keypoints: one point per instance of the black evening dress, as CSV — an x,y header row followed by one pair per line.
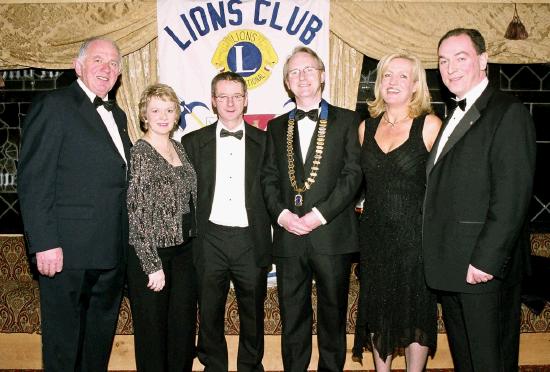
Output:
x,y
395,305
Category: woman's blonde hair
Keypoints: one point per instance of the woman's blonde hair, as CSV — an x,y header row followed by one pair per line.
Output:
x,y
420,101
165,93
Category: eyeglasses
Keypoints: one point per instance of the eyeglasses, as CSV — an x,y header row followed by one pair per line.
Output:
x,y
308,71
234,98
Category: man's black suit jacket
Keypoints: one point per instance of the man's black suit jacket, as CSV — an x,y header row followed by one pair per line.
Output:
x,y
477,197
201,148
72,181
333,193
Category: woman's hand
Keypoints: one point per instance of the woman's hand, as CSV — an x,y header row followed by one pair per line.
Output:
x,y
156,281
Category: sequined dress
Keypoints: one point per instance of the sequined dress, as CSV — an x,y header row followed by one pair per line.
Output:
x,y
394,301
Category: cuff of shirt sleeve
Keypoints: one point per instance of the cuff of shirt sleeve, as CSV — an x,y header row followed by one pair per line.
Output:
x,y
283,213
319,215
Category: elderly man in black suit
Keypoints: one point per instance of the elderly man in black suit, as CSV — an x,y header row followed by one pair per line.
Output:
x,y
72,189
310,178
479,181
234,229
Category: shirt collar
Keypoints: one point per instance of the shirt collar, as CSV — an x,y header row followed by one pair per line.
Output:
x,y
91,95
317,106
475,92
221,125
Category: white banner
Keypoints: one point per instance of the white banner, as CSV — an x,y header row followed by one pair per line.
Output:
x,y
198,39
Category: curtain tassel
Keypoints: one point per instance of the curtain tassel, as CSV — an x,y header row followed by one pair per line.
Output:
x,y
516,30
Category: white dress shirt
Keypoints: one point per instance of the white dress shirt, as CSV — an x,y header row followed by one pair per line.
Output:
x,y
228,206
306,128
471,97
108,120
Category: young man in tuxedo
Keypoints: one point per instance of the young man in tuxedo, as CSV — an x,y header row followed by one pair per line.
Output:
x,y
234,231
310,178
72,188
479,181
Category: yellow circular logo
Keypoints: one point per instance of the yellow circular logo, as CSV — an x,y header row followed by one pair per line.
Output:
x,y
247,53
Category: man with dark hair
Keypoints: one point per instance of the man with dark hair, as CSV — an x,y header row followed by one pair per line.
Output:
x,y
479,181
310,178
72,189
234,230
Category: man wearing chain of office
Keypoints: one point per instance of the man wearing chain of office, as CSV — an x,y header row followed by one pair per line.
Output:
x,y
310,178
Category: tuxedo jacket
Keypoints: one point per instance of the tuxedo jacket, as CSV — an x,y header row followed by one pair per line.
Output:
x,y
477,196
333,193
72,181
200,146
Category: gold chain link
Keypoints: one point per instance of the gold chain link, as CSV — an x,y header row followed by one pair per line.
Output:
x,y
319,147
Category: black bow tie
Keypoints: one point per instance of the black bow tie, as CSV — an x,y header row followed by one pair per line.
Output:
x,y
311,114
238,134
109,105
453,104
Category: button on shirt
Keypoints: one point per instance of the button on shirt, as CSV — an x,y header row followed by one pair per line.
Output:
x,y
228,205
458,114
108,120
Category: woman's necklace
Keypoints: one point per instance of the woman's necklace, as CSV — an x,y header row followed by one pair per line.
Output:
x,y
166,150
393,123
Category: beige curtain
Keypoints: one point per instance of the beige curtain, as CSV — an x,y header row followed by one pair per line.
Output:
x,y
48,35
345,72
139,69
376,28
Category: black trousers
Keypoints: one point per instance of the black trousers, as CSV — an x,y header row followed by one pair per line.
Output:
x,y
227,255
165,321
294,284
79,311
483,329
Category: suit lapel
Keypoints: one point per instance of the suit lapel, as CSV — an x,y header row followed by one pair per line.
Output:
x,y
313,143
461,129
311,148
94,120
469,119
121,124
251,162
207,161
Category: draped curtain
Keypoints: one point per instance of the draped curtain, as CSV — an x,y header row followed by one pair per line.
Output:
x,y
47,34
377,28
139,69
345,72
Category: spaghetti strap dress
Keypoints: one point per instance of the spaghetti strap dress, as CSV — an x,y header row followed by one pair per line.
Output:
x,y
395,305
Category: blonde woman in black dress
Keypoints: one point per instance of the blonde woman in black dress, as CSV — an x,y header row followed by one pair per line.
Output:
x,y
395,305
161,278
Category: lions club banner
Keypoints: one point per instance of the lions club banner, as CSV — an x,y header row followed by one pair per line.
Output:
x,y
198,39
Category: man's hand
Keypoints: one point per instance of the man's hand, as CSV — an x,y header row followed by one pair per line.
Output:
x,y
293,224
476,276
50,262
311,220
156,281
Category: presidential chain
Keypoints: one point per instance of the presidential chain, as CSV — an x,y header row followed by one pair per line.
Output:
x,y
319,147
